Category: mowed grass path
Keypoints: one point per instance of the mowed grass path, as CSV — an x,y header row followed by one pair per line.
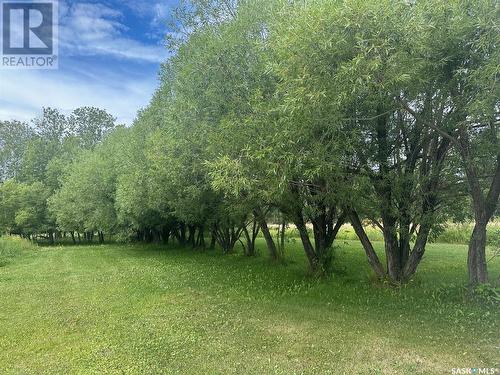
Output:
x,y
155,310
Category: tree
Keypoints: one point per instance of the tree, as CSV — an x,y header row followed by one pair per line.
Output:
x,y
14,137
459,67
24,209
37,157
90,125
136,209
233,53
343,70
32,216
322,112
9,203
86,200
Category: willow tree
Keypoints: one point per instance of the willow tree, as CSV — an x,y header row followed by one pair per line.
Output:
x,y
456,52
86,200
90,125
138,211
344,68
24,209
214,78
236,82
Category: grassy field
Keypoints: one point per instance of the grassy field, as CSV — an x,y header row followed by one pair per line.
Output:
x,y
126,309
454,233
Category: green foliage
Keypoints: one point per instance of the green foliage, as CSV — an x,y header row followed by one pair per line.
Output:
x,y
37,158
89,190
90,125
373,233
317,112
24,208
14,136
460,233
32,216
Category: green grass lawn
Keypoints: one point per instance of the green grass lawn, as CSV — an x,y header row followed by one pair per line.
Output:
x,y
137,309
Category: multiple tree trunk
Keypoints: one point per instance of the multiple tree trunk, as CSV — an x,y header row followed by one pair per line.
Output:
x,y
484,200
227,236
250,237
409,160
325,218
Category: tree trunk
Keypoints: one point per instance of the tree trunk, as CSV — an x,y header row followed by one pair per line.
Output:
x,y
182,234
227,236
484,207
373,259
417,253
165,234
392,250
213,239
251,237
271,246
201,237
404,236
191,235
73,237
282,236
306,242
249,248
476,260
101,236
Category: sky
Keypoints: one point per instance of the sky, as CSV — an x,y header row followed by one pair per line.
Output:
x,y
109,57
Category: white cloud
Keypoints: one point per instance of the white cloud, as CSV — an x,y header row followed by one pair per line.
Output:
x,y
100,65
14,112
161,13
24,93
95,29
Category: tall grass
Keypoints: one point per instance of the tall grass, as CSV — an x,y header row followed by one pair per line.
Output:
x,y
347,233
13,247
452,233
460,233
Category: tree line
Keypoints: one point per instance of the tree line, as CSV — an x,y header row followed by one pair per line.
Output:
x,y
317,112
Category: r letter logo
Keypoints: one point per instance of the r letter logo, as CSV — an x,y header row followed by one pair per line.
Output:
x,y
29,34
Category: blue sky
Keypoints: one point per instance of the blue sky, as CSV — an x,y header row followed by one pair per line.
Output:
x,y
109,56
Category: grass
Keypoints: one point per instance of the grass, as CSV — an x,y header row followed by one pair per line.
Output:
x,y
134,309
12,248
451,233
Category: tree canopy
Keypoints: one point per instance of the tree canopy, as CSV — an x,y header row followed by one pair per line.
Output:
x,y
317,112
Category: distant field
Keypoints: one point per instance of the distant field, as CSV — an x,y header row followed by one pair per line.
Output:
x,y
129,309
452,233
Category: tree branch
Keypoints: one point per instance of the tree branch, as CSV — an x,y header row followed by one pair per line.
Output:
x,y
406,107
